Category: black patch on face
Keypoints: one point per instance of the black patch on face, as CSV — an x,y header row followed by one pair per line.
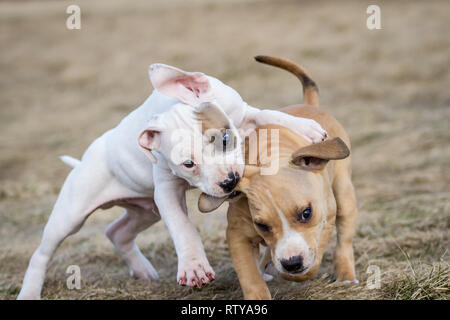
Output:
x,y
229,184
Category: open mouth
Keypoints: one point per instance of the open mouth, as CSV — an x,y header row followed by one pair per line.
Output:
x,y
296,272
207,203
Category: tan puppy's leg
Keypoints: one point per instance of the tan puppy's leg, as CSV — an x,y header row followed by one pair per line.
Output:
x,y
243,255
322,245
344,262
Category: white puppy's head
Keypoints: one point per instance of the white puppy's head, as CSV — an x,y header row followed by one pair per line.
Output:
x,y
197,139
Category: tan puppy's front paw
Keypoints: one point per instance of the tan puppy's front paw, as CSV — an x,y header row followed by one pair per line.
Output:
x,y
194,272
311,130
346,275
350,281
344,266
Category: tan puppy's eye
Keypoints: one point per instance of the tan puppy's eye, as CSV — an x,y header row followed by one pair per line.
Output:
x,y
305,215
263,227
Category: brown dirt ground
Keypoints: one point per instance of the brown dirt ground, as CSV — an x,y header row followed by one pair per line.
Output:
x,y
60,89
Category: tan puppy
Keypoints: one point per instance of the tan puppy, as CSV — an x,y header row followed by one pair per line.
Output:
x,y
293,212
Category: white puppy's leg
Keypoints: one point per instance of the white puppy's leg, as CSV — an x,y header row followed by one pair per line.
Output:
x,y
193,266
68,215
87,186
122,233
308,128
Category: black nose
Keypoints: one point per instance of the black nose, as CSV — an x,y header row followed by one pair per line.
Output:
x,y
229,184
293,264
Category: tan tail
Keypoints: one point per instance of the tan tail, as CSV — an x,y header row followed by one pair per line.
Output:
x,y
310,89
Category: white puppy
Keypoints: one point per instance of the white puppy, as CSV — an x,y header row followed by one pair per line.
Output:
x,y
115,171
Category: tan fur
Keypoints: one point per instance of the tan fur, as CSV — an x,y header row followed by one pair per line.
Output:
x,y
329,189
310,90
289,186
328,150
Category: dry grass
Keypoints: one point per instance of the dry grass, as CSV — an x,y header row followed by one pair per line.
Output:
x,y
60,89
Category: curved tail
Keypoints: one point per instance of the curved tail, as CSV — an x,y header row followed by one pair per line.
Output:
x,y
310,89
71,162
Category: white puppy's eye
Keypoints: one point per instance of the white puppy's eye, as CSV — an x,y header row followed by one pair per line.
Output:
x,y
225,138
188,164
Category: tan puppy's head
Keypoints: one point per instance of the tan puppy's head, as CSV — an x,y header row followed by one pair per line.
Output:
x,y
289,209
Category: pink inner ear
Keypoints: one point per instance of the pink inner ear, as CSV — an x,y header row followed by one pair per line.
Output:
x,y
149,139
197,86
189,87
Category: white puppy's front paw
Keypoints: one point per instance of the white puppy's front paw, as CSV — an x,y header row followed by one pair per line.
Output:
x,y
267,277
194,271
143,270
28,296
311,130
270,271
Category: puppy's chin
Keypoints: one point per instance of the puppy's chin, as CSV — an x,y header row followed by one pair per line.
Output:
x,y
296,274
217,193
213,190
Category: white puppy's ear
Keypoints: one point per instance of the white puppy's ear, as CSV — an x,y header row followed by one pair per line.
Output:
x,y
192,88
150,139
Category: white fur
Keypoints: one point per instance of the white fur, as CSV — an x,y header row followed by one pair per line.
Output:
x,y
114,167
70,161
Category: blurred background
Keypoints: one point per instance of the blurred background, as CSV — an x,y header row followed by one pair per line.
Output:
x,y
60,89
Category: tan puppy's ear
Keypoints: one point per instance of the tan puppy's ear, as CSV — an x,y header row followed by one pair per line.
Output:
x,y
316,156
150,139
207,203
